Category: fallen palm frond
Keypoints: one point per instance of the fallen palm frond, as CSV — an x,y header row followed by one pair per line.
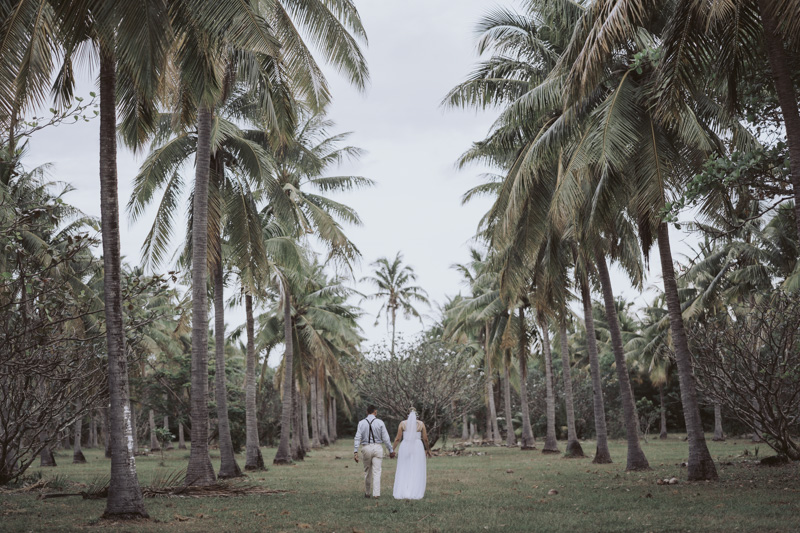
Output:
x,y
220,489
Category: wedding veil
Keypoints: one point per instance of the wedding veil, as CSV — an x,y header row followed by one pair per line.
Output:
x,y
411,423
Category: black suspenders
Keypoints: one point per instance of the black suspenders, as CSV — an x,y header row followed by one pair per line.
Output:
x,y
371,437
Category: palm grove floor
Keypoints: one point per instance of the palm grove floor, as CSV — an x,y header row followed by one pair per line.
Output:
x,y
500,490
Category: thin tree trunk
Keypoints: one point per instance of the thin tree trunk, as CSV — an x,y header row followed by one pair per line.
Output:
x,y
574,448
77,453
323,430
181,437
46,457
781,68
663,410
332,420
316,442
528,442
394,319
701,465
491,422
170,446
228,466
200,471
636,459
106,432
134,429
283,455
464,427
550,442
719,435
124,493
511,438
305,436
298,452
254,460
154,445
92,430
65,443
601,455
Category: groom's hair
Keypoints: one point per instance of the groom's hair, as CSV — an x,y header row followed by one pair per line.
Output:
x,y
371,409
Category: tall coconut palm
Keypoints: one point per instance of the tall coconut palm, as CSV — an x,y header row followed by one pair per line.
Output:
x,y
394,283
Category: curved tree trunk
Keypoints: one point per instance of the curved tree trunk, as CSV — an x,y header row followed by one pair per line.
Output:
x,y
124,493
151,420
283,455
254,459
511,438
602,455
528,442
781,68
492,428
701,465
574,448
636,459
719,435
200,471
663,410
228,466
550,442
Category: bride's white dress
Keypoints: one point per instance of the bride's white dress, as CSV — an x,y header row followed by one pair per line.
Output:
x,y
411,476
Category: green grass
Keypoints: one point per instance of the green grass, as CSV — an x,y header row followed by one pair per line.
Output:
x,y
467,493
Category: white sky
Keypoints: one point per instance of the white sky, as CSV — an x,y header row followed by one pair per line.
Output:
x,y
418,50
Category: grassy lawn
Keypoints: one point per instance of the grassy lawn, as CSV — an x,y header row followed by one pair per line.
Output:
x,y
501,490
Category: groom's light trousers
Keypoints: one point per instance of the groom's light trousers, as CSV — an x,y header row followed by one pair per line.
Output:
x,y
372,455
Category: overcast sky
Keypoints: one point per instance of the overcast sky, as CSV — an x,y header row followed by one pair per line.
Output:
x,y
418,50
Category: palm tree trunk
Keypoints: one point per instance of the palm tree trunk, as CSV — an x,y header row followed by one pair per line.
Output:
x,y
228,466
124,493
332,420
305,437
200,471
719,435
283,455
602,455
298,452
394,320
636,459
316,442
77,453
574,448
134,429
181,438
170,446
663,410
464,427
323,430
492,428
550,442
154,445
92,443
528,442
701,465
511,438
106,432
781,68
253,460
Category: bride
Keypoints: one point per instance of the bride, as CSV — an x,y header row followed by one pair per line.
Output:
x,y
411,476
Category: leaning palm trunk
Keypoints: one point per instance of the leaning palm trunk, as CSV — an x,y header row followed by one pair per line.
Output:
x,y
253,460
77,453
574,448
663,409
528,442
701,465
228,467
781,69
602,455
124,494
283,455
200,471
636,459
154,445
550,442
511,438
719,435
316,442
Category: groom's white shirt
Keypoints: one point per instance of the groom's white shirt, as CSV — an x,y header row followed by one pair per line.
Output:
x,y
379,433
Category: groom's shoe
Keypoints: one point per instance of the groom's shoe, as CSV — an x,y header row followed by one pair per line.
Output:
x,y
367,496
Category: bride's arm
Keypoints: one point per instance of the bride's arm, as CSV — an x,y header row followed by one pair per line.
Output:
x,y
399,436
425,441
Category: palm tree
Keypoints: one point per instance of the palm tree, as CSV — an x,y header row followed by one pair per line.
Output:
x,y
394,283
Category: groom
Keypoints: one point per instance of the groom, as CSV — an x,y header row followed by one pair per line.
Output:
x,y
370,436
